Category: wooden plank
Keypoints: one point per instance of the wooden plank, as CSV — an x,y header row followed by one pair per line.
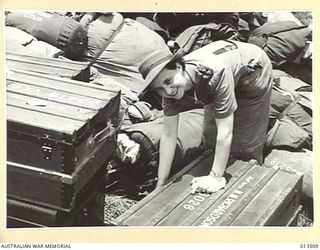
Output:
x,y
62,84
22,60
293,221
262,206
26,185
13,222
57,68
32,213
41,172
42,120
287,197
54,95
50,107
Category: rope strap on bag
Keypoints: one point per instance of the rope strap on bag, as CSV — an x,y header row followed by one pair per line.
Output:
x,y
85,73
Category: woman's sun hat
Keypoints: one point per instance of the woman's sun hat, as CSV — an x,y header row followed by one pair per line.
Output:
x,y
155,62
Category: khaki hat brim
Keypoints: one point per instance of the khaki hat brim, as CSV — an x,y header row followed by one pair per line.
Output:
x,y
156,70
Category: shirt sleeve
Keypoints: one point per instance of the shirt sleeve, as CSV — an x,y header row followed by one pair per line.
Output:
x,y
222,93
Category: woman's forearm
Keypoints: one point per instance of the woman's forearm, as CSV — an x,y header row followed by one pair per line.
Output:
x,y
167,151
223,144
167,147
222,152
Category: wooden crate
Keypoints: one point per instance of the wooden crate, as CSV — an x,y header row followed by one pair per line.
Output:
x,y
60,132
254,196
88,209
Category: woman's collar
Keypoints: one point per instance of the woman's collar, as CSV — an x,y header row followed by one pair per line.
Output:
x,y
191,75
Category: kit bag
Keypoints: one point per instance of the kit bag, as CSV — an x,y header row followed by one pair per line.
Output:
x,y
291,120
148,135
282,41
198,36
60,31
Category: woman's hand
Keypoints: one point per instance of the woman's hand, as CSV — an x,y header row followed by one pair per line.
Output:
x,y
207,184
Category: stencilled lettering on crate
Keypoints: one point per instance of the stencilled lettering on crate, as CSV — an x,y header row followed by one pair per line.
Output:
x,y
244,190
226,203
193,206
53,95
278,163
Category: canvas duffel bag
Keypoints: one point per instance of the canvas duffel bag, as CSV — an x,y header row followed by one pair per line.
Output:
x,y
61,31
282,41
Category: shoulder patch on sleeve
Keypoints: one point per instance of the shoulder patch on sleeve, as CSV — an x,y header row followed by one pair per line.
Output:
x,y
204,71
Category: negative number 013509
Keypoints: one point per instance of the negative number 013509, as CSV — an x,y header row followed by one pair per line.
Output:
x,y
304,245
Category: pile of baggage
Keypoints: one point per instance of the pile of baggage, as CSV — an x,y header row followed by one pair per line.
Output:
x,y
71,89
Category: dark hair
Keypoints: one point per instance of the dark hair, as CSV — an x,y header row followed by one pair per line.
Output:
x,y
173,64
